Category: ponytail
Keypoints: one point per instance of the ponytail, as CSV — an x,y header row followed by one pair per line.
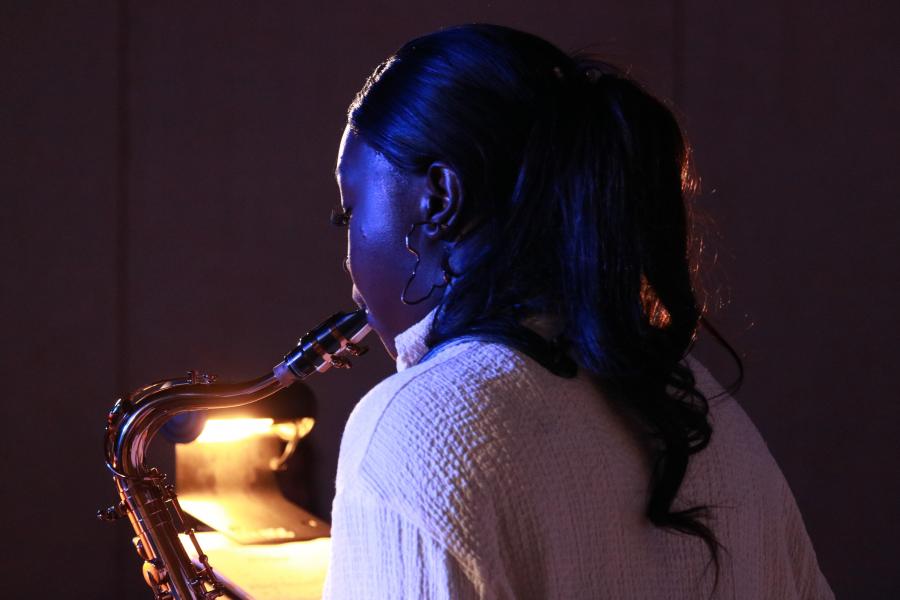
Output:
x,y
610,160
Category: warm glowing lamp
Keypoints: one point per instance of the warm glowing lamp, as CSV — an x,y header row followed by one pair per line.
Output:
x,y
227,463
232,430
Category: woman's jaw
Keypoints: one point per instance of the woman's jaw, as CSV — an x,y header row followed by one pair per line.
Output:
x,y
386,340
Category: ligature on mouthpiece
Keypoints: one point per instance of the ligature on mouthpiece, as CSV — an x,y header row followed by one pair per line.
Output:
x,y
325,346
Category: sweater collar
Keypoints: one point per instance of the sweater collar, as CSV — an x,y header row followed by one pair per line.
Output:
x,y
411,347
410,343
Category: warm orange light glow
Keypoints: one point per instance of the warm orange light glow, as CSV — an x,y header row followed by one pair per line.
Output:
x,y
290,430
654,309
266,571
210,512
230,430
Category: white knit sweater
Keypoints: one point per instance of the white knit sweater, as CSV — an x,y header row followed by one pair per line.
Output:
x,y
479,474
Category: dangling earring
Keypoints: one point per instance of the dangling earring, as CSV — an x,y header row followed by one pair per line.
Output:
x,y
447,272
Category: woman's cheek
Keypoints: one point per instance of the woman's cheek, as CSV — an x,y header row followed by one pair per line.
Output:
x,y
379,271
364,263
354,264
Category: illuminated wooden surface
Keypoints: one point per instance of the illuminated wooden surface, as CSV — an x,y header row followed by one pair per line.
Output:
x,y
293,570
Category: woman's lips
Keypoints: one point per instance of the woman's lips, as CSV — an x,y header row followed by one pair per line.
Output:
x,y
359,301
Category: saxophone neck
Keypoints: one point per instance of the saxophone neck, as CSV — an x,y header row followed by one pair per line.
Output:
x,y
133,422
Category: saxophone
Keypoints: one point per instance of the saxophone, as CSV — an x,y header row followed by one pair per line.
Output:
x,y
148,500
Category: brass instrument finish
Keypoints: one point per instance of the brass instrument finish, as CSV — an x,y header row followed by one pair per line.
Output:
x,y
148,500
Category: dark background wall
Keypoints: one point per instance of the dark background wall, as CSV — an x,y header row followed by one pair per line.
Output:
x,y
165,181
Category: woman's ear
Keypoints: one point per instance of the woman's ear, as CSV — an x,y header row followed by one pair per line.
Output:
x,y
441,201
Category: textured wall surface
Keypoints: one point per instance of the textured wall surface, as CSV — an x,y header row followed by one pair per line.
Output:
x,y
165,182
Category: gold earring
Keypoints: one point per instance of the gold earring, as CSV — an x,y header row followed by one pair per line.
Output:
x,y
445,264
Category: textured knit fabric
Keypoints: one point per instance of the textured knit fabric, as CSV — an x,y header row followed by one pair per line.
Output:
x,y
480,474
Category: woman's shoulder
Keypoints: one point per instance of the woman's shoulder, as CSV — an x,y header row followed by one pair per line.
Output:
x,y
737,447
753,502
435,425
732,426
424,399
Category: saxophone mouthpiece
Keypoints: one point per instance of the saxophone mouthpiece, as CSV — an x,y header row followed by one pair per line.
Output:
x,y
326,346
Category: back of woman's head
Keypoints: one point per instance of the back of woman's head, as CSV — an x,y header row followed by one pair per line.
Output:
x,y
574,181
